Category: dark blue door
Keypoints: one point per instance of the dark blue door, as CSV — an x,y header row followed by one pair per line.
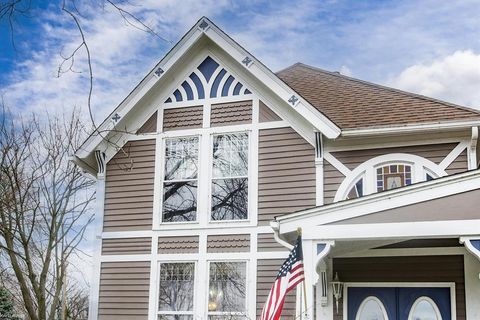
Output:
x,y
398,303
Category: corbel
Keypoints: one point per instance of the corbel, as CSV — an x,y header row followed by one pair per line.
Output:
x,y
472,244
100,157
472,156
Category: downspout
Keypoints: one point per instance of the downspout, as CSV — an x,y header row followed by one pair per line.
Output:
x,y
472,154
275,225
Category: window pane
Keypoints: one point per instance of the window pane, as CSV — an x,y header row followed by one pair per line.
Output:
x,y
424,310
393,176
181,158
230,199
179,201
371,310
176,287
227,287
230,155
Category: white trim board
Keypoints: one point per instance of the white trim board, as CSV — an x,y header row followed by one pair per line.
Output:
x,y
421,192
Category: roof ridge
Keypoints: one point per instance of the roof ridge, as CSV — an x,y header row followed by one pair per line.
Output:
x,y
384,87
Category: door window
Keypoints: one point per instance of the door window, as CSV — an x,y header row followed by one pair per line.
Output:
x,y
371,309
424,309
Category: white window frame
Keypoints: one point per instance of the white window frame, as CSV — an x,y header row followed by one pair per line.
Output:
x,y
429,300
450,285
157,290
162,176
364,302
247,288
420,166
248,176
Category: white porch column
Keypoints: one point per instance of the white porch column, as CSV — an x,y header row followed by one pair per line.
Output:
x,y
310,280
472,276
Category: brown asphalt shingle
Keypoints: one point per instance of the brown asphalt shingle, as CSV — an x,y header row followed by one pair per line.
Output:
x,y
355,104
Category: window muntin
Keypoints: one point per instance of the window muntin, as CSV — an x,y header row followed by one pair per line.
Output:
x,y
393,176
424,308
180,179
229,199
176,291
371,309
227,290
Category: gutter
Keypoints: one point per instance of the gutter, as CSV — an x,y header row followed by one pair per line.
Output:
x,y
275,225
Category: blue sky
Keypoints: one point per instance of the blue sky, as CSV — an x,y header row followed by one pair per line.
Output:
x,y
429,47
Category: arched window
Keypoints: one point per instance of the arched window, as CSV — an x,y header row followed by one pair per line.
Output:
x,y
424,308
385,173
371,309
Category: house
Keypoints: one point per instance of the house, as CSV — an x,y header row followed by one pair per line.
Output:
x,y
211,164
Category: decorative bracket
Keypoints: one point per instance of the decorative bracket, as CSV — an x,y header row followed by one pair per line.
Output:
x,y
472,155
100,157
323,249
472,244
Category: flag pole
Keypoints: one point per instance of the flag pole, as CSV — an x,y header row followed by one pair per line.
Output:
x,y
299,233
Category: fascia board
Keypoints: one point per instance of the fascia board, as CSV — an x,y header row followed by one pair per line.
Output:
x,y
443,187
410,128
258,70
142,89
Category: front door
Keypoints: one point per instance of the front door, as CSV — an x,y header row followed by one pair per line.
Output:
x,y
398,303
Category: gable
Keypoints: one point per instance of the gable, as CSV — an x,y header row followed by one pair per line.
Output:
x,y
463,206
205,57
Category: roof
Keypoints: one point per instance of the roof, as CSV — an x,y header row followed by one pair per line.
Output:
x,y
378,202
355,104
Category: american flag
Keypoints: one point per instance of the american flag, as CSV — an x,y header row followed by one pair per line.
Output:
x,y
288,277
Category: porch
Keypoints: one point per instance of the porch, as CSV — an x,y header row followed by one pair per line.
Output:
x,y
409,253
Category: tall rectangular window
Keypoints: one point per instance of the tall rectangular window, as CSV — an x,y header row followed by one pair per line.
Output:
x,y
230,177
227,290
176,294
180,180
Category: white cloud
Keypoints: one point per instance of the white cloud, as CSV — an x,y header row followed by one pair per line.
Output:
x,y
454,78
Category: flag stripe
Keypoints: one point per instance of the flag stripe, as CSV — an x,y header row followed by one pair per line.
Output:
x,y
289,276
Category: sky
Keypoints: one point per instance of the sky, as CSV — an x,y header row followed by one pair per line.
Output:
x,y
429,47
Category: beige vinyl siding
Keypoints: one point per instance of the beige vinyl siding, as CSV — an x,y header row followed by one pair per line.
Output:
x,y
126,246
404,269
332,178
226,114
182,118
124,288
266,272
129,188
180,244
459,165
228,243
266,243
150,125
286,173
265,114
434,152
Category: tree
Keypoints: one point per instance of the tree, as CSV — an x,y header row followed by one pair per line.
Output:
x,y
44,207
7,309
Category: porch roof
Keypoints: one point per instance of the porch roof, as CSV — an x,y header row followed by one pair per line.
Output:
x,y
454,199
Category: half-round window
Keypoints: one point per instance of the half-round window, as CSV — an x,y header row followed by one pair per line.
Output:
x,y
387,172
424,308
371,309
